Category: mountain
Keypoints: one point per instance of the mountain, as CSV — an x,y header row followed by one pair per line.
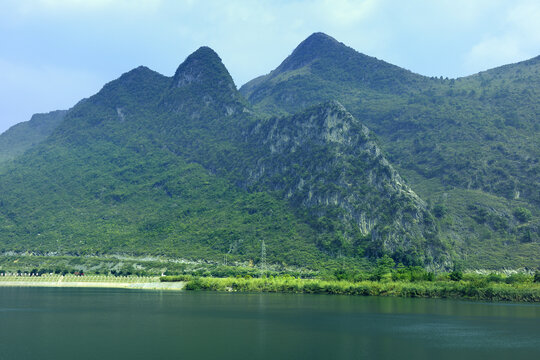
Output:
x,y
183,167
21,137
467,146
332,160
153,165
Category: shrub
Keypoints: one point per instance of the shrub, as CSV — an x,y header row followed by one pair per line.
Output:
x,y
518,278
455,275
175,278
495,278
522,214
195,284
417,273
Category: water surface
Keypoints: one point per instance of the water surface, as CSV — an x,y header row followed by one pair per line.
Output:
x,y
62,323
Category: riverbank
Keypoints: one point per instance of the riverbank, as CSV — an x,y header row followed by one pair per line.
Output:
x,y
528,292
519,292
70,281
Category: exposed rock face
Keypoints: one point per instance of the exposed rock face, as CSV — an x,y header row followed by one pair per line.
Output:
x,y
326,160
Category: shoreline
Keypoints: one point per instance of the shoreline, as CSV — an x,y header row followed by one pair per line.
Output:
x,y
523,293
140,286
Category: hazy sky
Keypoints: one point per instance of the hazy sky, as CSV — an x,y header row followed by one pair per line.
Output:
x,y
55,52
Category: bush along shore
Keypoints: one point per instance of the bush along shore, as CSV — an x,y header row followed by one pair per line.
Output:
x,y
402,282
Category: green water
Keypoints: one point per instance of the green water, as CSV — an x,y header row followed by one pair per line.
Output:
x,y
49,323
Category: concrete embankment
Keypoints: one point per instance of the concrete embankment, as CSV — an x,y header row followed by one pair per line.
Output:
x,y
130,283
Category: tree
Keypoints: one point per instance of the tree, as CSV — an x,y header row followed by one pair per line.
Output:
x,y
384,266
439,210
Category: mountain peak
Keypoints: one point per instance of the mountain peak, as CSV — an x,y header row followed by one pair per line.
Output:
x,y
138,70
318,39
203,79
204,65
140,83
134,76
320,60
317,45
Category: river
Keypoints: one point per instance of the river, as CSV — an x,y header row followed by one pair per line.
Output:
x,y
65,323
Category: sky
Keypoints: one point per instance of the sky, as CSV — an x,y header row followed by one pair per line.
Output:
x,y
53,53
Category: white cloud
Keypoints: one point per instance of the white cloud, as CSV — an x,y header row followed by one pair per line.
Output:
x,y
518,40
494,51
